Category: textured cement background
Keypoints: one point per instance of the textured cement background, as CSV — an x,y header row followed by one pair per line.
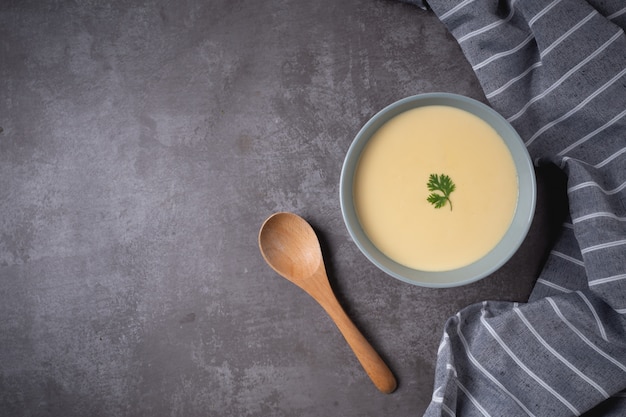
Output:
x,y
143,143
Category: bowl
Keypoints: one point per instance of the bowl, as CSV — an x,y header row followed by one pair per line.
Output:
x,y
505,247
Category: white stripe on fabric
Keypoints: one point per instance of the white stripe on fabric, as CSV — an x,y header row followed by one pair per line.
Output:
x,y
601,281
568,225
565,76
503,53
598,214
603,246
620,310
485,372
577,107
616,14
567,257
436,397
451,367
599,164
513,80
525,368
473,400
444,342
448,410
583,337
587,184
489,26
595,315
455,9
532,21
553,285
610,158
564,36
560,357
592,134
567,158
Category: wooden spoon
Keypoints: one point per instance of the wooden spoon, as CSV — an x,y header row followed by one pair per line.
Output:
x,y
289,245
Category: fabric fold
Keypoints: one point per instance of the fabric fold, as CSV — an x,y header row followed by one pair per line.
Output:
x,y
557,71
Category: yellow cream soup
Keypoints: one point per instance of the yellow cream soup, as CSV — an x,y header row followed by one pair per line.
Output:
x,y
390,188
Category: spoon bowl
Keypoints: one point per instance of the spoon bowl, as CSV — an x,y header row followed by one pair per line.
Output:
x,y
290,246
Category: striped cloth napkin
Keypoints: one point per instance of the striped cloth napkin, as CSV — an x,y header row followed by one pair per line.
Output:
x,y
556,69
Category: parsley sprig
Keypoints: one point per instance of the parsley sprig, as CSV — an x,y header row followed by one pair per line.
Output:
x,y
443,184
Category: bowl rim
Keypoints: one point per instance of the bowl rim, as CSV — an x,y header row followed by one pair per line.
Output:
x,y
515,234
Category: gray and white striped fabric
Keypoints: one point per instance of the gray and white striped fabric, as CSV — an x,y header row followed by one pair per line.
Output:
x,y
556,69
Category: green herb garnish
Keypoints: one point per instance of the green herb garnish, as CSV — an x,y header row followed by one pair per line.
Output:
x,y
441,183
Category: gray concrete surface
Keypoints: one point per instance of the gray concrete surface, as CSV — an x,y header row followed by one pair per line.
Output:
x,y
143,143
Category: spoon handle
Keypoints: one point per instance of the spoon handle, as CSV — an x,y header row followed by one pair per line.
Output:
x,y
372,363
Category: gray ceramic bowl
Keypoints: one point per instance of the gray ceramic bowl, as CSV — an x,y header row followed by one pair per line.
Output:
x,y
512,239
